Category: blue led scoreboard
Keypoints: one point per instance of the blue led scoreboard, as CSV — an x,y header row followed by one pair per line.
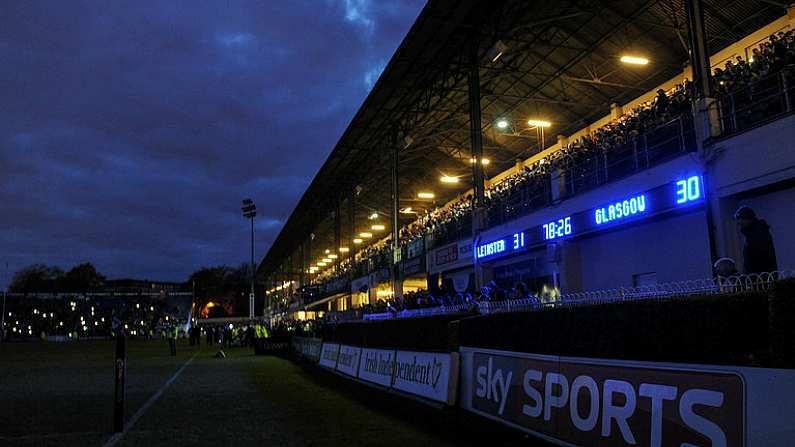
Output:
x,y
679,194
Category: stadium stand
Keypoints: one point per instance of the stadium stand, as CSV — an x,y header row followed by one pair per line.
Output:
x,y
453,253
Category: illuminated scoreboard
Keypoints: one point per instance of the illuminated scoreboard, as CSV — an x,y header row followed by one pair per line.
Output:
x,y
679,194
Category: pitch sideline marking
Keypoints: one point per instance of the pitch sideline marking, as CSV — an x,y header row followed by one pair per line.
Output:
x,y
129,425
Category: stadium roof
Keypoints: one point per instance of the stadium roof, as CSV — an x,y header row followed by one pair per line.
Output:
x,y
558,61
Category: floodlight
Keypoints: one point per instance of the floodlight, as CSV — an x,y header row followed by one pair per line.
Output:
x,y
538,123
634,60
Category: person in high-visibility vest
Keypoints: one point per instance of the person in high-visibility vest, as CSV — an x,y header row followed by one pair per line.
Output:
x,y
172,339
264,331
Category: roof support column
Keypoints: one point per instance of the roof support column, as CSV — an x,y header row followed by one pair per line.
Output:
x,y
706,120
476,137
699,52
351,227
476,146
309,253
397,283
302,273
337,234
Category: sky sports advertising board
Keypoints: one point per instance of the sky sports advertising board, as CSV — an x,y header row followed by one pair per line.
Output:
x,y
679,194
578,401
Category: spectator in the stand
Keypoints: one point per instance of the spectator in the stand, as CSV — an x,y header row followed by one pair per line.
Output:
x,y
725,267
759,253
519,291
661,104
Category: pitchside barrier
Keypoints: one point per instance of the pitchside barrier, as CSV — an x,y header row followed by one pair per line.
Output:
x,y
495,370
427,375
587,401
584,401
272,345
307,348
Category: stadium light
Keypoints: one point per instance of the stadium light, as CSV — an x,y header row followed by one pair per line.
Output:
x,y
365,234
326,260
502,123
327,251
425,195
377,227
448,179
357,241
373,216
249,212
407,210
634,60
344,249
483,161
333,256
320,264
538,123
384,292
497,50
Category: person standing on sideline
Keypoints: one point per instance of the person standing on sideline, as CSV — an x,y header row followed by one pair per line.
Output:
x,y
759,254
173,333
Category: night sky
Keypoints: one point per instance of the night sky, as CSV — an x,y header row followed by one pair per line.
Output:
x,y
131,130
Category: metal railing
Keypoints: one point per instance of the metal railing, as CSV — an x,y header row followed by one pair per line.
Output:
x,y
714,286
424,312
757,102
709,286
576,175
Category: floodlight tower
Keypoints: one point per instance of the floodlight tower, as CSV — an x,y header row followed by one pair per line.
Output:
x,y
249,212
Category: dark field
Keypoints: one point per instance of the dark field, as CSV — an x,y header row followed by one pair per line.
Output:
x,y
55,394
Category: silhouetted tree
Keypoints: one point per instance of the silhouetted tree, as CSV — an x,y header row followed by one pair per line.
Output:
x,y
81,278
36,278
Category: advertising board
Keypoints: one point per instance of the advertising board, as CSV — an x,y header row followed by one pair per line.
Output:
x,y
348,360
426,374
450,257
311,349
574,401
377,366
329,354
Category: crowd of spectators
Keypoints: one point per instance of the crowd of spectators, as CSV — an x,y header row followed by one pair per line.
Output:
x,y
532,181
530,188
771,56
424,299
79,317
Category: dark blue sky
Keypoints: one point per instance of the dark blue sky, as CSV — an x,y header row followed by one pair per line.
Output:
x,y
130,131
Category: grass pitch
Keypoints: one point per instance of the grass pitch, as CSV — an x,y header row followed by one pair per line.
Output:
x,y
61,394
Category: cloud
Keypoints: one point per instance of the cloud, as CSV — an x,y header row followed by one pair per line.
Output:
x,y
236,39
372,75
356,12
131,131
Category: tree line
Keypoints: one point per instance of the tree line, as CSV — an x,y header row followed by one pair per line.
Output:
x,y
207,282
